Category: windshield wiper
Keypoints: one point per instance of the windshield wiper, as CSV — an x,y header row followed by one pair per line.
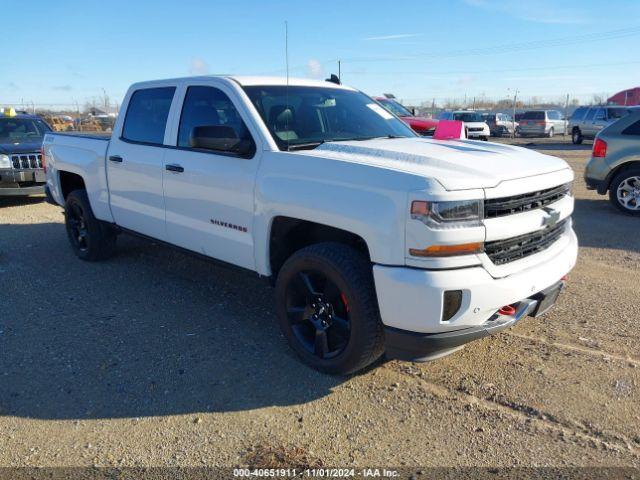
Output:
x,y
312,145
304,146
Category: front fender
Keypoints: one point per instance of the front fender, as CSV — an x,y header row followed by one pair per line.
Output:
x,y
367,201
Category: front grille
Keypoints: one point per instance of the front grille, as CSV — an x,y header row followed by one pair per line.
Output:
x,y
26,160
499,207
511,249
475,129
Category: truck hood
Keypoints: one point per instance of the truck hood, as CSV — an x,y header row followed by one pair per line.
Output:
x,y
27,147
455,164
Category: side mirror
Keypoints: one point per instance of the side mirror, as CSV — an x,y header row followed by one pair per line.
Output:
x,y
220,138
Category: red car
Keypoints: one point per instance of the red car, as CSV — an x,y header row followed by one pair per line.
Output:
x,y
421,125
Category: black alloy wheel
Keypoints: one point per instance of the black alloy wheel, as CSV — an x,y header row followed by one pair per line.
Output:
x,y
318,314
328,309
76,223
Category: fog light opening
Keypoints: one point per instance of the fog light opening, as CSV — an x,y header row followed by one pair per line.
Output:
x,y
451,304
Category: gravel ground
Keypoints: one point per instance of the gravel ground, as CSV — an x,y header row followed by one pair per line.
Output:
x,y
156,358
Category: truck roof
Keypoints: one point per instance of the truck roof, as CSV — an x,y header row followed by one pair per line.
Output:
x,y
252,81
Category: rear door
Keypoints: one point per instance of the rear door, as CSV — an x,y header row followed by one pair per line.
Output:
x,y
600,120
135,162
588,129
209,194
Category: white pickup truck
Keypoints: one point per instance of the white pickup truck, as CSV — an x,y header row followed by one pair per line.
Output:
x,y
376,239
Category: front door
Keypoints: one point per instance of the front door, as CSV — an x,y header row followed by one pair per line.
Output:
x,y
208,193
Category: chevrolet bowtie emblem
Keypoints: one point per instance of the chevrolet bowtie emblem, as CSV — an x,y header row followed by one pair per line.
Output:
x,y
552,217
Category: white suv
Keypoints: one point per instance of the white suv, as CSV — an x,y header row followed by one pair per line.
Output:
x,y
474,124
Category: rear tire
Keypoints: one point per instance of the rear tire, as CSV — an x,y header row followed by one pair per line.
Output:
x,y
91,239
551,132
328,310
624,191
576,136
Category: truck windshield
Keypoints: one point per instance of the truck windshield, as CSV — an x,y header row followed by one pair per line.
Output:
x,y
468,117
395,107
21,130
304,117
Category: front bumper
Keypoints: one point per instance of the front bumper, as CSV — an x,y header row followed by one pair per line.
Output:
x,y
10,181
21,191
416,347
479,134
412,299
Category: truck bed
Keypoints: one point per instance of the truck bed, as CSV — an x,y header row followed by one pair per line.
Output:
x,y
84,156
92,135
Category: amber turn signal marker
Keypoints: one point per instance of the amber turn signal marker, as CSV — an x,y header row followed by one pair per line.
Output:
x,y
448,250
418,207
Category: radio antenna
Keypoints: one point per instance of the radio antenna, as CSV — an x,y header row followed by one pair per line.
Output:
x,y
286,61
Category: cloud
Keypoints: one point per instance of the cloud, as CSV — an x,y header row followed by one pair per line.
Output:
x,y
542,11
198,66
62,88
314,68
465,80
393,37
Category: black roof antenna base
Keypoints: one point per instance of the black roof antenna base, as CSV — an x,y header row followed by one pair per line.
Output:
x,y
333,79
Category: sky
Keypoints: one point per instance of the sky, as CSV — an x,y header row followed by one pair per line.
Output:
x,y
68,51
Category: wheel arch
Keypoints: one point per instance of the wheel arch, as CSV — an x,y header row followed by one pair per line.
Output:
x,y
288,235
70,181
614,172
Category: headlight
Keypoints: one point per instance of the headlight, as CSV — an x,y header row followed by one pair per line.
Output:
x,y
5,161
455,214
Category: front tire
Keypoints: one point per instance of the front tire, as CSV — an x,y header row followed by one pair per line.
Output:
x,y
328,310
576,136
551,133
624,192
90,238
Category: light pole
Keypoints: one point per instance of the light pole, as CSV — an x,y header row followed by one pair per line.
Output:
x,y
513,119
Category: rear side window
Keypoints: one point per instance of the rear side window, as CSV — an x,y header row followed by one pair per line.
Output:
x,y
615,113
533,116
633,129
208,106
579,114
147,115
591,114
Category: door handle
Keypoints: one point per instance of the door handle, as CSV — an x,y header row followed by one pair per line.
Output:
x,y
116,158
172,167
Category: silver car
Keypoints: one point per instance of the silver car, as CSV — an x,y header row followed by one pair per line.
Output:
x,y
542,123
615,164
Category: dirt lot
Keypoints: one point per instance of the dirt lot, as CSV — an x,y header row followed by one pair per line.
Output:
x,y
158,358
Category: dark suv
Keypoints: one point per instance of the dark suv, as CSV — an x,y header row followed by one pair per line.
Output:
x,y
21,167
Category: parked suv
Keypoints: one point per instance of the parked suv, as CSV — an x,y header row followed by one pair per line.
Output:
x,y
500,123
474,124
542,123
21,168
586,122
615,164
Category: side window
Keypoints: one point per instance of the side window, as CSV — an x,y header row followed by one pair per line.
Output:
x,y
579,114
590,114
147,113
600,114
633,129
210,107
554,115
